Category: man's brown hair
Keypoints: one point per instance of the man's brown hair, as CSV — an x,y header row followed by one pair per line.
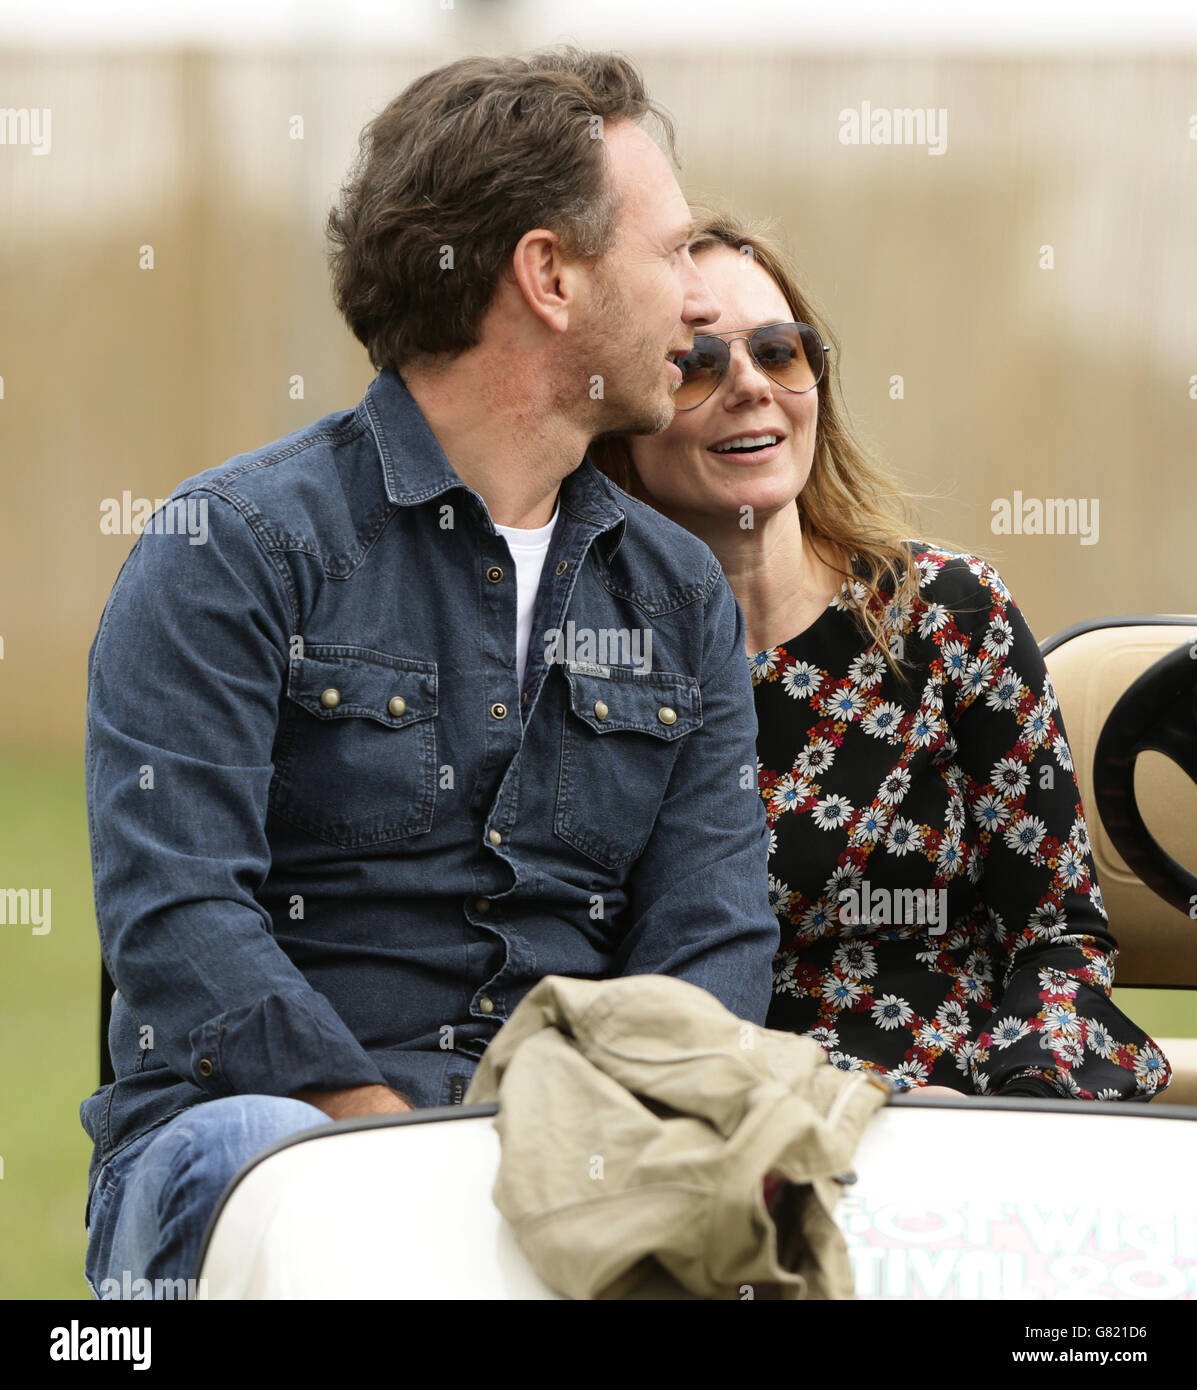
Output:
x,y
454,171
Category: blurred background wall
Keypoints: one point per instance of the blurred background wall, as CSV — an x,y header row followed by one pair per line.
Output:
x,y
1016,313
1068,381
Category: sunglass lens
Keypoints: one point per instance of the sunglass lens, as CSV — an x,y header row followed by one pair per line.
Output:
x,y
791,354
702,369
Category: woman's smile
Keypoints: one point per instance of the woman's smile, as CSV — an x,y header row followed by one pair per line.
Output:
x,y
749,447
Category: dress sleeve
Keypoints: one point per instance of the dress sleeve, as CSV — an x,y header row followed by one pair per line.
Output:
x,y
1054,1023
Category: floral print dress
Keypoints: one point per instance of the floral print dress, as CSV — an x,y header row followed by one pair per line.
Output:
x,y
929,860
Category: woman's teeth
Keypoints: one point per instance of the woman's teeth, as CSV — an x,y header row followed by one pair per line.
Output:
x,y
746,443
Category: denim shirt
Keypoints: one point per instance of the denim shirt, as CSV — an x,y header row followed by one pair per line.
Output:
x,y
333,844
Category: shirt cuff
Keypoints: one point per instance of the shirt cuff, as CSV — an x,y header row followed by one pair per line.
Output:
x,y
276,1046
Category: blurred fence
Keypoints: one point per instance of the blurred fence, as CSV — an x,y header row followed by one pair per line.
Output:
x,y
1015,308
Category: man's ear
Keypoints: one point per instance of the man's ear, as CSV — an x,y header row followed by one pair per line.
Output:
x,y
543,277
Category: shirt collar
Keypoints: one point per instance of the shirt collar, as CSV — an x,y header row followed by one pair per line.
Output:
x,y
414,466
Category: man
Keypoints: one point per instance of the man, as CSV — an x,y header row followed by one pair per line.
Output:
x,y
434,710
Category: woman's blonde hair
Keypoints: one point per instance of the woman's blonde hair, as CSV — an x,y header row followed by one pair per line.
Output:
x,y
851,500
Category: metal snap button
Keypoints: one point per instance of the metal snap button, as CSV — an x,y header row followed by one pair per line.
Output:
x,y
600,709
562,566
499,710
494,837
494,573
667,715
397,705
205,1067
330,698
481,904
486,1004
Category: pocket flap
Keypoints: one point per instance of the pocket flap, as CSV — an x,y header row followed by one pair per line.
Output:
x,y
338,682
663,704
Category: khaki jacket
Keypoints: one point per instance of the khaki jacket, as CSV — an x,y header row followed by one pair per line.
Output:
x,y
638,1121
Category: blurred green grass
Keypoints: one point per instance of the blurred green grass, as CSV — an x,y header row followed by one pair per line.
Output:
x,y
49,1014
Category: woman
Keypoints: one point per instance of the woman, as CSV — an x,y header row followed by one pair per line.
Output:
x,y
929,859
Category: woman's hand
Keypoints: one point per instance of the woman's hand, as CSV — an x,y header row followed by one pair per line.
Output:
x,y
936,1091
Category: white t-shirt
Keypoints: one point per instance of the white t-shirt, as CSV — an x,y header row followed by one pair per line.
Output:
x,y
528,550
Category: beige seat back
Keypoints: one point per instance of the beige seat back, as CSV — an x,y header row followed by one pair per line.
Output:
x,y
1091,666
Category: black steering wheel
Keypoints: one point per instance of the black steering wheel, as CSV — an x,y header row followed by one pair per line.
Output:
x,y
1157,712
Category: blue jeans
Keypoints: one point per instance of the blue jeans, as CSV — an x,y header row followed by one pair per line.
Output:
x,y
154,1198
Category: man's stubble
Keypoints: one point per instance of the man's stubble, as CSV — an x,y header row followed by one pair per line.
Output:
x,y
619,365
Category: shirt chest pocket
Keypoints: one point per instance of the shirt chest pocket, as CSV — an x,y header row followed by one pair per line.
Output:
x,y
356,761
621,738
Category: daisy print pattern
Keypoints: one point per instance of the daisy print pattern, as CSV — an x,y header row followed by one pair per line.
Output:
x,y
899,793
832,812
856,959
935,617
895,786
816,757
870,826
801,680
868,668
883,721
904,836
1005,692
999,638
846,703
764,666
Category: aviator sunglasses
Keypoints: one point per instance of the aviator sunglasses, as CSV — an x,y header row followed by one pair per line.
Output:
x,y
792,355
